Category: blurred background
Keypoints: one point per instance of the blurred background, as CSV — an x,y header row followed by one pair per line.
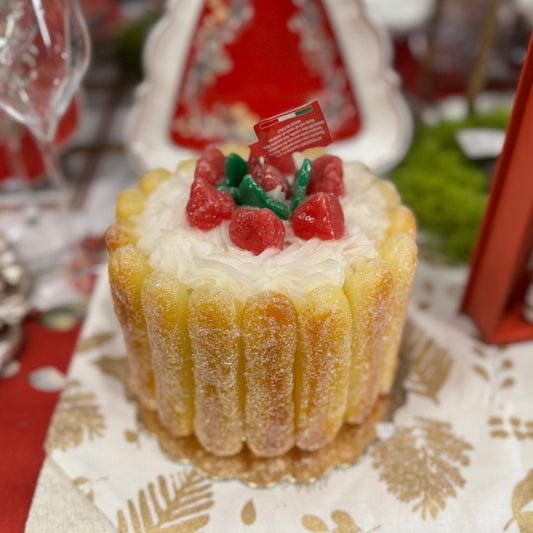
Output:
x,y
457,65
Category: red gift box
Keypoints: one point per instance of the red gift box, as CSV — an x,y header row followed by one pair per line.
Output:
x,y
499,277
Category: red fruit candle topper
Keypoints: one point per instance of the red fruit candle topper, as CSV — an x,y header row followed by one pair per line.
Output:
x,y
312,205
496,289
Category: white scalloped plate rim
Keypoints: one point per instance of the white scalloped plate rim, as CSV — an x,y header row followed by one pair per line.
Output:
x,y
387,125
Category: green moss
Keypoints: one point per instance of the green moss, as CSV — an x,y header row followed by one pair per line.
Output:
x,y
447,191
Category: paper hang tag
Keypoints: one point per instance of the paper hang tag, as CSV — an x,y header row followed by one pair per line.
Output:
x,y
480,143
292,131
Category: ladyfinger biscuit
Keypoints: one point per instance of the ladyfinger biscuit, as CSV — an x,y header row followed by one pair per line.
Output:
x,y
399,251
130,202
119,234
150,181
214,322
402,220
270,335
164,300
128,269
322,366
368,290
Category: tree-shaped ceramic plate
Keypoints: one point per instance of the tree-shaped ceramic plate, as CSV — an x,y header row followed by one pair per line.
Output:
x,y
214,69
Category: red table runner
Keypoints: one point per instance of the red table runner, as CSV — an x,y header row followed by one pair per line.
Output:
x,y
25,413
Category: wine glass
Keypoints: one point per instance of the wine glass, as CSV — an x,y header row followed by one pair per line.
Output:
x,y
44,53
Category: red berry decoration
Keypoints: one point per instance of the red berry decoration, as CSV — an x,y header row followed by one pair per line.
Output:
x,y
256,230
319,216
326,175
269,177
211,165
207,206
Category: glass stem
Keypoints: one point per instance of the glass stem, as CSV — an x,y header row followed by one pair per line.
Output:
x,y
54,172
76,265
20,174
57,178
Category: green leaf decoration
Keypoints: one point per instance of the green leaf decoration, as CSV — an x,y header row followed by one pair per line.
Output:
x,y
252,194
236,169
301,182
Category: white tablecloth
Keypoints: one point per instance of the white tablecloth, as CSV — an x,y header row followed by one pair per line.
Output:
x,y
458,456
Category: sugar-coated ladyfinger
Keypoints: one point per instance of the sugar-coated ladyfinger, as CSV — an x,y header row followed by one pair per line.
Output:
x,y
130,202
128,269
150,181
389,192
214,322
402,220
322,366
270,335
119,234
164,300
399,251
368,289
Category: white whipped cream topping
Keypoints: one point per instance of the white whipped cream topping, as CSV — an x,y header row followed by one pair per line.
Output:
x,y
197,257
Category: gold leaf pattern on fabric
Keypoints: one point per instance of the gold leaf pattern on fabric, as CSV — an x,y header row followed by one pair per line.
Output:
x,y
429,364
77,417
510,427
115,367
428,286
424,305
498,376
344,523
131,436
455,291
94,341
479,351
313,523
480,371
506,364
522,496
508,382
422,463
248,515
85,485
178,510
